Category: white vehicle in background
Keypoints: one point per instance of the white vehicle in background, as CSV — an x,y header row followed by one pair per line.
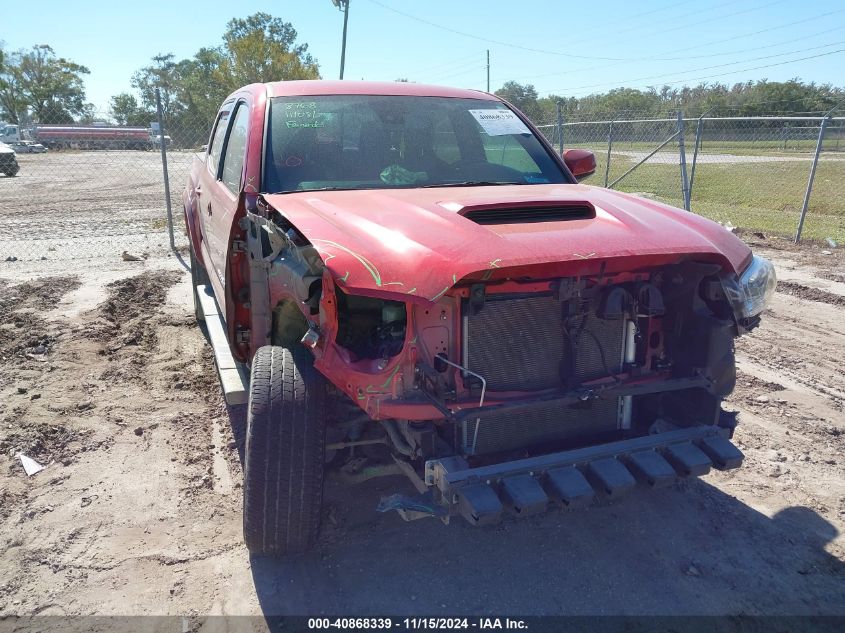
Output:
x,y
28,147
9,133
8,161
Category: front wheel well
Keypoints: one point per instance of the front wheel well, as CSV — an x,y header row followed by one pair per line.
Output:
x,y
289,324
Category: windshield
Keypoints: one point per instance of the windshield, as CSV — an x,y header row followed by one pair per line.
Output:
x,y
376,142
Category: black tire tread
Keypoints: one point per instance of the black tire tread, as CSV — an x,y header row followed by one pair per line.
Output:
x,y
285,441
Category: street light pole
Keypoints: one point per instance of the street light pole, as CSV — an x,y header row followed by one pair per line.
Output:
x,y
343,5
488,70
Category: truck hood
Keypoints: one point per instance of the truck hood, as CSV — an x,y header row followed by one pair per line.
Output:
x,y
416,242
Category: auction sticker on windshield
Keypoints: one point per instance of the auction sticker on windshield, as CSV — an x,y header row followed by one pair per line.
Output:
x,y
500,122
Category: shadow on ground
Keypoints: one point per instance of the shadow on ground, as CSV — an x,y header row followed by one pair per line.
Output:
x,y
690,549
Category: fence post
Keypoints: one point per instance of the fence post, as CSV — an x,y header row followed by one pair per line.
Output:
x,y
695,155
683,160
807,193
161,145
560,127
609,146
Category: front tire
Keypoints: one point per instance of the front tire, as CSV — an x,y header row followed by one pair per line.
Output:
x,y
285,440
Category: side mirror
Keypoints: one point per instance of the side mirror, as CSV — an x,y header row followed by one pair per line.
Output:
x,y
581,162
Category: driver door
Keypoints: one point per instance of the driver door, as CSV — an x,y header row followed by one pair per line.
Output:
x,y
221,191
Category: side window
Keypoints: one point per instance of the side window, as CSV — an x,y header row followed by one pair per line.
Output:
x,y
445,142
233,161
217,141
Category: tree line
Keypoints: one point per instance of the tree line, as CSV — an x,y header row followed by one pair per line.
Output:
x,y
751,98
37,85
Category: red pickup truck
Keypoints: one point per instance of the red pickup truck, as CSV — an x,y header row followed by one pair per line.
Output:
x,y
415,274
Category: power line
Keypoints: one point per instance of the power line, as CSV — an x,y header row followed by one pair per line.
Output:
x,y
499,42
790,24
747,50
452,71
722,17
625,19
447,65
464,72
676,17
659,56
572,55
733,72
755,48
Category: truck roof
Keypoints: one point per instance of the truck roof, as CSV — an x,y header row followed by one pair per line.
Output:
x,y
329,87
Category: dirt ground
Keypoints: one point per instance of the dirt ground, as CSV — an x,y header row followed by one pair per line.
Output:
x,y
76,207
106,380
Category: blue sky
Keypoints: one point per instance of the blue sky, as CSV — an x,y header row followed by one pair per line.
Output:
x,y
561,47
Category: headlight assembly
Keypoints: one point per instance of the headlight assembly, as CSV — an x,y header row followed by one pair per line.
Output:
x,y
751,292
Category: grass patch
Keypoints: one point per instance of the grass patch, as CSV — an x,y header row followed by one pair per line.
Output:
x,y
763,196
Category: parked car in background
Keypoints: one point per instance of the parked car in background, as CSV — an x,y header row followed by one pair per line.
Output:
x,y
28,147
8,160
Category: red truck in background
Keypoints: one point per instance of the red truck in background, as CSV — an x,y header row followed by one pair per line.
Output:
x,y
413,274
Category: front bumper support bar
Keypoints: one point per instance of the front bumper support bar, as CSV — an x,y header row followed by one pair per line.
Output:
x,y
575,477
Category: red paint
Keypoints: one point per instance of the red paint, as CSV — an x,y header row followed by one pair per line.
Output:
x,y
415,243
323,87
581,162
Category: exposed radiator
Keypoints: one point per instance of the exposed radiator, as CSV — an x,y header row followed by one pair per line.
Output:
x,y
518,344
538,425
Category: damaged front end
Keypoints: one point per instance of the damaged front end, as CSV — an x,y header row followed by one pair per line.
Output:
x,y
519,387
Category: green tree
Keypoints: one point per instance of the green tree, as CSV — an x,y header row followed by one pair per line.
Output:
x,y
259,48
163,74
90,115
200,90
262,48
523,97
50,87
12,102
124,109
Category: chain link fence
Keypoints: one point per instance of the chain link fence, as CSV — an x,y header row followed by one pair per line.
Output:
x,y
98,191
762,174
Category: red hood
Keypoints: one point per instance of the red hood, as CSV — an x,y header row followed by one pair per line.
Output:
x,y
415,242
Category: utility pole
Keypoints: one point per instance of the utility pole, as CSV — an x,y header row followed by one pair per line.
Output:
x,y
343,5
488,70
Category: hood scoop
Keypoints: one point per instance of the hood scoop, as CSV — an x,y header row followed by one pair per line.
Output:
x,y
528,214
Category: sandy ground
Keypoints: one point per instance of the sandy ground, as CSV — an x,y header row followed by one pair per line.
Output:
x,y
106,380
76,208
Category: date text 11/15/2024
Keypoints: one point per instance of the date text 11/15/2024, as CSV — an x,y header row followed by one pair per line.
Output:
x,y
413,624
